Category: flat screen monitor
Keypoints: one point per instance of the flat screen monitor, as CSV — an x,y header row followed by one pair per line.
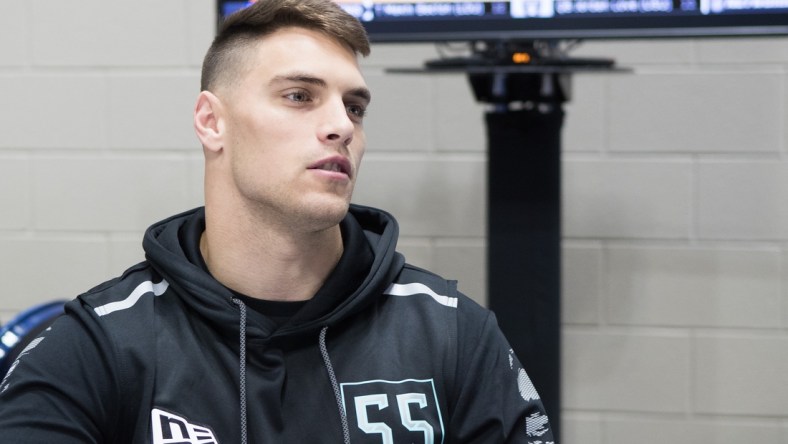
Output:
x,y
439,21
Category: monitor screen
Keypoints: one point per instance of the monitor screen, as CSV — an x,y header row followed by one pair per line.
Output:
x,y
435,21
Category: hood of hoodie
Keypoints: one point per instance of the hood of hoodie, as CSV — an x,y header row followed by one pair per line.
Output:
x,y
164,245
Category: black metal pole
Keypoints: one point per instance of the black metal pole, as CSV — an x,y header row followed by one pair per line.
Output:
x,y
524,243
524,224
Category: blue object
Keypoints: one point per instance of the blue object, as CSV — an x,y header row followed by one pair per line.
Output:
x,y
19,331
230,7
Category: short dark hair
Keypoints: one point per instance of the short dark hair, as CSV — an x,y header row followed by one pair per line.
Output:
x,y
245,27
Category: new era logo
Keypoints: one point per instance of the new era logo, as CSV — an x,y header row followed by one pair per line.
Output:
x,y
169,428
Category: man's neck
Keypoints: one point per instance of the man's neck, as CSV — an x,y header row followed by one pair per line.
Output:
x,y
269,263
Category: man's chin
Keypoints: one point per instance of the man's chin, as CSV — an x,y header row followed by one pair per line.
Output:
x,y
324,215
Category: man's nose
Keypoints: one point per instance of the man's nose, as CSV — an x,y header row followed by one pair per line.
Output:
x,y
336,125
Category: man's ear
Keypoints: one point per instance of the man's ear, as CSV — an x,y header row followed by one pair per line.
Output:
x,y
208,122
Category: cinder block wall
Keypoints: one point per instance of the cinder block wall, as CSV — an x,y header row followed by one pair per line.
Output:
x,y
675,198
675,230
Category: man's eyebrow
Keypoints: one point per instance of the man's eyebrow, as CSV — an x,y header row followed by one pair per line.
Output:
x,y
361,93
300,78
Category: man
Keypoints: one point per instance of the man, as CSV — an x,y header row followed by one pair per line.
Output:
x,y
279,313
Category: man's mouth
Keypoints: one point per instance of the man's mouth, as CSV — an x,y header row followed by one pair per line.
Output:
x,y
332,167
336,164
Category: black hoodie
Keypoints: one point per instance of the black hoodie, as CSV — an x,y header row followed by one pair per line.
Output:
x,y
383,353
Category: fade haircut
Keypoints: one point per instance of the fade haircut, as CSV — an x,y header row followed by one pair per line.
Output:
x,y
239,31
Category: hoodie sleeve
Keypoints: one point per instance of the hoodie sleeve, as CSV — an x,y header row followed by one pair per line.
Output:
x,y
61,389
496,401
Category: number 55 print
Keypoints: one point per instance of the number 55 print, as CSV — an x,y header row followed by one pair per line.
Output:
x,y
389,412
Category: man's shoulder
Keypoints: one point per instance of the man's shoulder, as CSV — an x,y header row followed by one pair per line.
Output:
x,y
413,280
124,292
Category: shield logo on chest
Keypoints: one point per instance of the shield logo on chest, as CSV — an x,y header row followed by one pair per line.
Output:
x,y
388,412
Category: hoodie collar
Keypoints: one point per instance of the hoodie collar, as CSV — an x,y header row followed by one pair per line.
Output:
x,y
367,266
351,269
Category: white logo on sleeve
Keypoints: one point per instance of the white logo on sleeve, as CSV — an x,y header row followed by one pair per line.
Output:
x,y
526,387
169,428
536,425
33,344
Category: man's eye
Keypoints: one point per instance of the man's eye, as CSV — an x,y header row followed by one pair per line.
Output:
x,y
298,96
357,111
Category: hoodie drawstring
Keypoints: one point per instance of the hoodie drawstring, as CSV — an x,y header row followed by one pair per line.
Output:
x,y
242,375
242,364
334,384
